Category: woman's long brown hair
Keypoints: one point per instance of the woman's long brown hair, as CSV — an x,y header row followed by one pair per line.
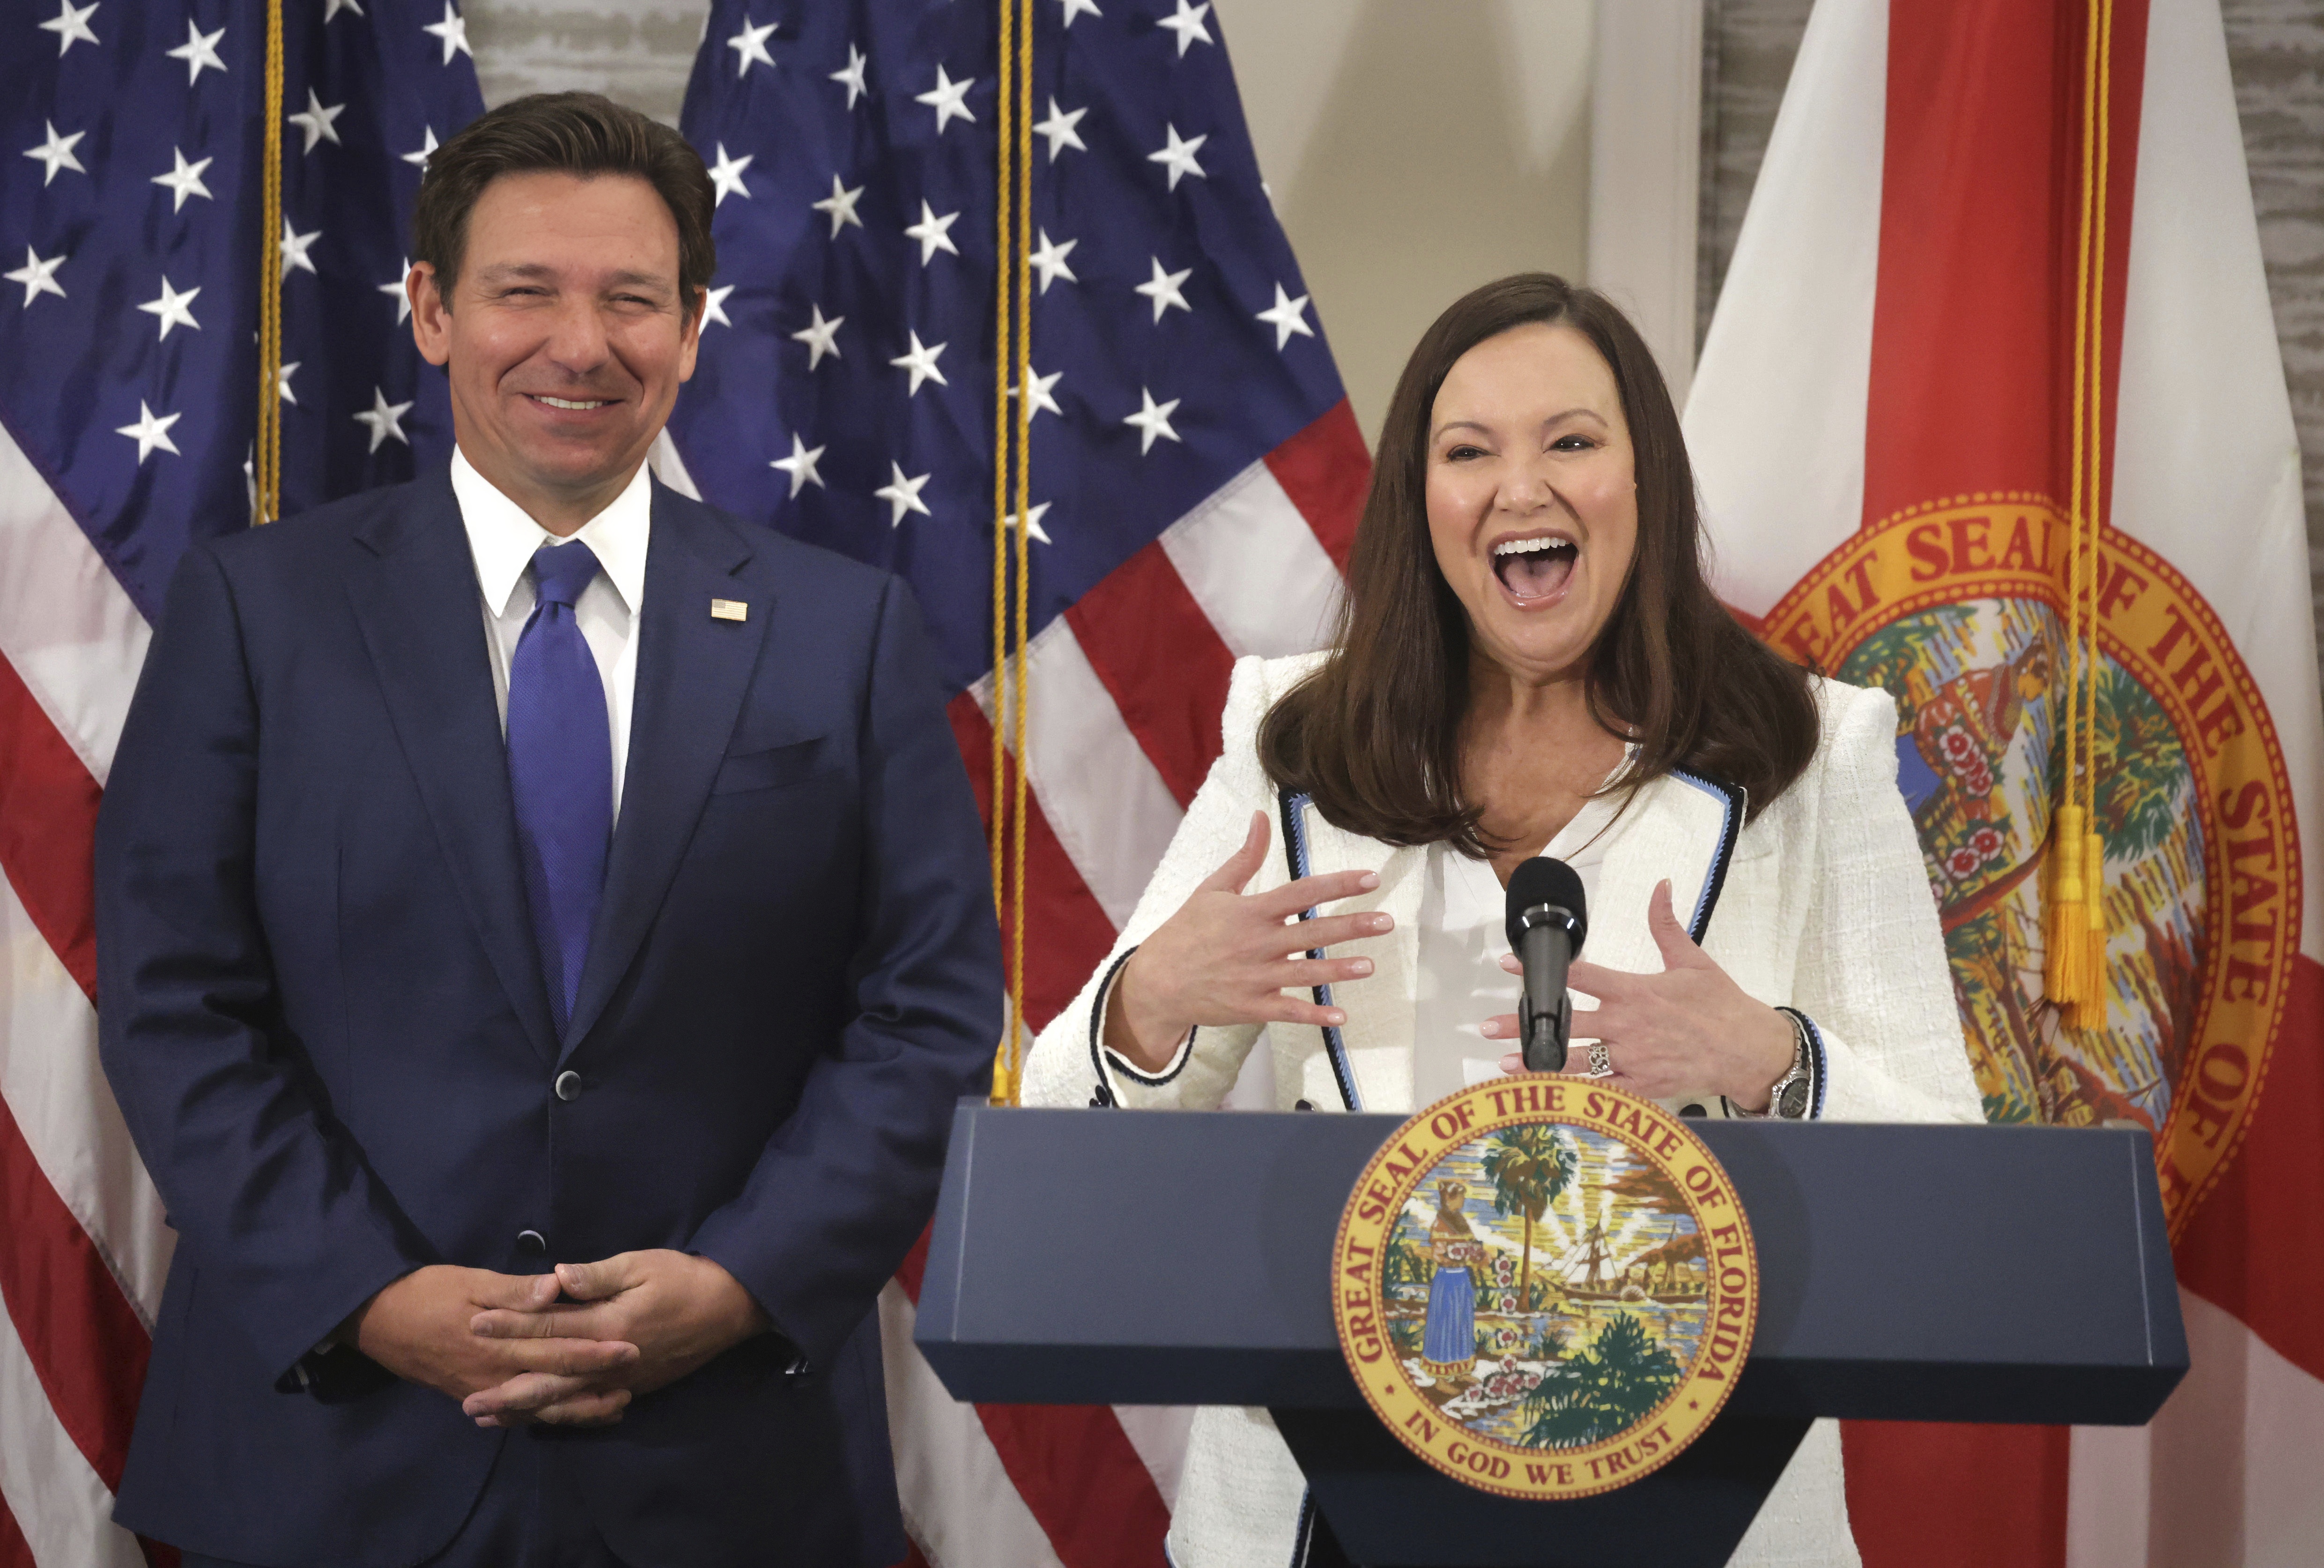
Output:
x,y
1372,736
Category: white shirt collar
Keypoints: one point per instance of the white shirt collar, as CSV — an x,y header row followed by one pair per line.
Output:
x,y
503,536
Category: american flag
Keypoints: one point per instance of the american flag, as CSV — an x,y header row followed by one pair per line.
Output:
x,y
135,142
1195,477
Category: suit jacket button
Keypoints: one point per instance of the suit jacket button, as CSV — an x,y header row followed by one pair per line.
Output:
x,y
569,1085
532,1242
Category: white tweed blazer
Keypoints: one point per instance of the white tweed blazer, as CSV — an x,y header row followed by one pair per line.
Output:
x,y
1821,903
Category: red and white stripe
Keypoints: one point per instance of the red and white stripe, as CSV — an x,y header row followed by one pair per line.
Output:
x,y
1122,723
2205,470
86,1250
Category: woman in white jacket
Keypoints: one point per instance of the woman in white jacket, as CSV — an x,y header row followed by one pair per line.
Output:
x,y
1529,663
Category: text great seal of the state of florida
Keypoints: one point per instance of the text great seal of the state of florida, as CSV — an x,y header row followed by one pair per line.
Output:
x,y
1546,1287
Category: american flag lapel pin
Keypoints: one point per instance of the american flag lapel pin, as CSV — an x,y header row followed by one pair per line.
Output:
x,y
729,610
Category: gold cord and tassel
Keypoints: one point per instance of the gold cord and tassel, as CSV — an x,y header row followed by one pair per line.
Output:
x,y
1012,337
2066,963
2074,968
266,444
2090,1012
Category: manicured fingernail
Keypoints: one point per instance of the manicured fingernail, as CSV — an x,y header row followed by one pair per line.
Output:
x,y
1359,966
1382,922
1335,1017
1512,1063
1368,881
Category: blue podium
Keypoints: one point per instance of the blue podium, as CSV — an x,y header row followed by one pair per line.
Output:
x,y
1908,1273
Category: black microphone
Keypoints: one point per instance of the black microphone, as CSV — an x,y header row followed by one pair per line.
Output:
x,y
1546,924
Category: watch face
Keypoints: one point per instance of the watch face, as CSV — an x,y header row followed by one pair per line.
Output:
x,y
1792,1102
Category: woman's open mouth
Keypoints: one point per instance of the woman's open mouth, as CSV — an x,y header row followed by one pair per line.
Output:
x,y
1535,568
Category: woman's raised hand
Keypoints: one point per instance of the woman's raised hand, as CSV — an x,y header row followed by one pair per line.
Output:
x,y
1689,1030
1227,957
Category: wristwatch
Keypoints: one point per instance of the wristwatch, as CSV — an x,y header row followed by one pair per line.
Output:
x,y
1791,1093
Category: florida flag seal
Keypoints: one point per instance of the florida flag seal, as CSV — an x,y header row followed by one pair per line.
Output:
x,y
1992,415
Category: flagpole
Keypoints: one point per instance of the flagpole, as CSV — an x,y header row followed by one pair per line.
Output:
x,y
1012,608
1021,285
266,452
997,828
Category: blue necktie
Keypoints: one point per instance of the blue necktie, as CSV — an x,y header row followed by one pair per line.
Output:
x,y
560,754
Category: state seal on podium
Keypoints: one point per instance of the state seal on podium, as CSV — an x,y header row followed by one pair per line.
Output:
x,y
1546,1287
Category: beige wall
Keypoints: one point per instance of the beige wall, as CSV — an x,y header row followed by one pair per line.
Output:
x,y
1414,147
635,52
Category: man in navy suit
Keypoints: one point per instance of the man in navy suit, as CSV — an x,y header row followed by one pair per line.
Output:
x,y
544,929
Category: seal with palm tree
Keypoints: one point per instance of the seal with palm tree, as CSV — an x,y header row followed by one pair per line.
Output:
x,y
1530,1166
1458,1308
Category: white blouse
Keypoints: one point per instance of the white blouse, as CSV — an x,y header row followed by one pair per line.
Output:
x,y
1463,934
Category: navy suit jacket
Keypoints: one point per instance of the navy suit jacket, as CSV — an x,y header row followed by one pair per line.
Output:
x,y
325,1021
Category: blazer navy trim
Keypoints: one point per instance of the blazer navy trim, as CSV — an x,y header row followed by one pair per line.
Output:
x,y
1816,1072
1817,1061
1732,797
1105,1095
1295,849
1303,1534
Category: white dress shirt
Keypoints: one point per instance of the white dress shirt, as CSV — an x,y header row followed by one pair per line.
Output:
x,y
501,539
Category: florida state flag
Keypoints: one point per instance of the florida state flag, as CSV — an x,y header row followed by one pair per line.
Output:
x,y
1992,415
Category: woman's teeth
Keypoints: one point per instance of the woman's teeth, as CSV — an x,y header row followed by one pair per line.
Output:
x,y
1533,569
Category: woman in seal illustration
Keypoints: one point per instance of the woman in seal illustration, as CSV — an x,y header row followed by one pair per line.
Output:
x,y
1447,1347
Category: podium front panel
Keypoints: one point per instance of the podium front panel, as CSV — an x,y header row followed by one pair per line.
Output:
x,y
1909,1272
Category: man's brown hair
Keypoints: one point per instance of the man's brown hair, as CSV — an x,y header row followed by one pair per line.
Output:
x,y
581,134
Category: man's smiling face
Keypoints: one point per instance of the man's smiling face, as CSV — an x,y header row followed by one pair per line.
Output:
x,y
566,337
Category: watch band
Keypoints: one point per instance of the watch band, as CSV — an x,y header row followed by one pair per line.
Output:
x,y
1793,1096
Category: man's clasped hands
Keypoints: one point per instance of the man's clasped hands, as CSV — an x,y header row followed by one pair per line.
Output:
x,y
511,1351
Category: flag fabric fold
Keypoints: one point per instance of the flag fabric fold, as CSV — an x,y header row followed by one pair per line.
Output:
x,y
1193,478
1994,364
